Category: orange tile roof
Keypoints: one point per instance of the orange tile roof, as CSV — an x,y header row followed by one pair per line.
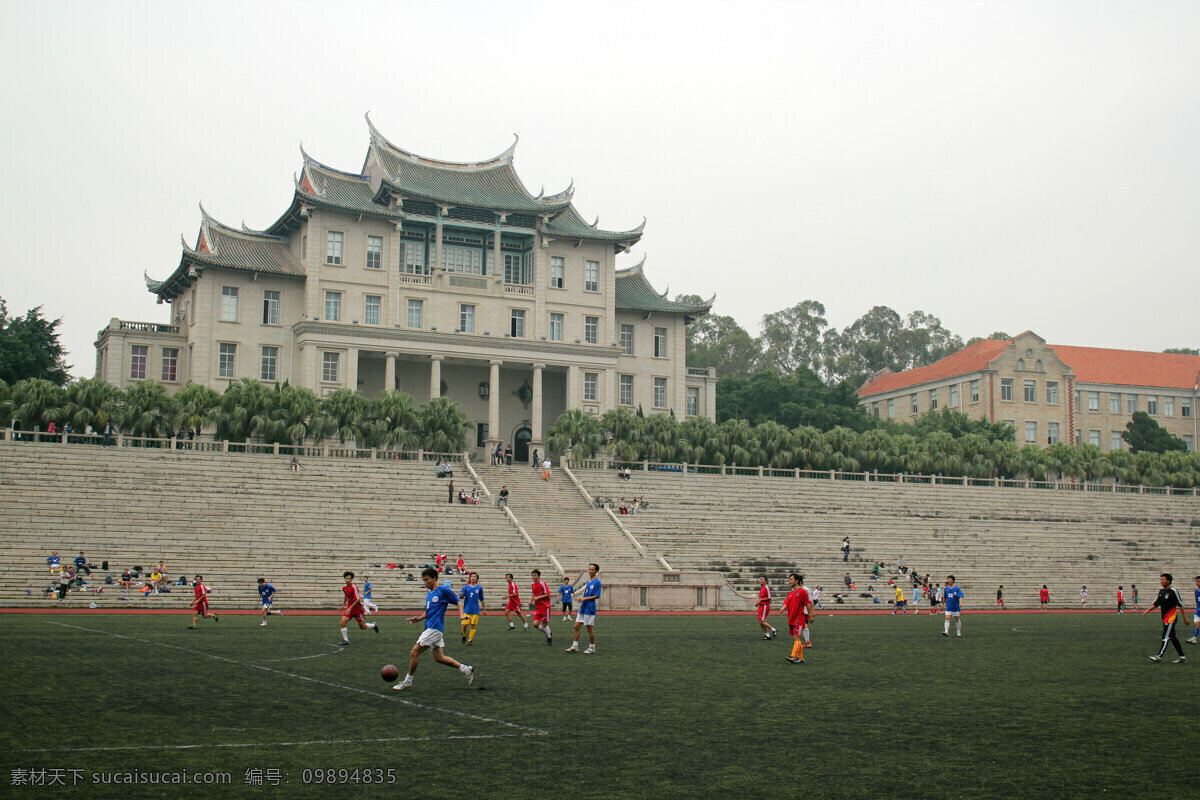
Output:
x,y
1130,367
965,361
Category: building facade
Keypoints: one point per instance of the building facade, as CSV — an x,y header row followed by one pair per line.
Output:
x,y
432,277
1048,393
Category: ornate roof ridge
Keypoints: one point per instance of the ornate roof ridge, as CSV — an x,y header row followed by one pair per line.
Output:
x,y
502,160
208,221
309,161
635,293
570,224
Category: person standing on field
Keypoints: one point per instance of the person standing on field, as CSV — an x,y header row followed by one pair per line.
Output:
x,y
1044,598
764,607
587,611
952,595
1170,605
799,613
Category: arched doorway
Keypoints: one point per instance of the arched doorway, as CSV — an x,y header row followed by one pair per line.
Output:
x,y
521,439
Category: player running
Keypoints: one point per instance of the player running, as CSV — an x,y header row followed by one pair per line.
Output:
x,y
473,605
368,606
1083,596
200,603
514,604
798,606
900,607
952,595
1170,605
352,609
567,593
587,611
1000,598
764,607
541,605
437,599
266,593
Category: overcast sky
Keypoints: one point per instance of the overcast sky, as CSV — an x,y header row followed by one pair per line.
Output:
x,y
1002,165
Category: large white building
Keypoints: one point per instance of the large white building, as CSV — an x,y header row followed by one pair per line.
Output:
x,y
432,277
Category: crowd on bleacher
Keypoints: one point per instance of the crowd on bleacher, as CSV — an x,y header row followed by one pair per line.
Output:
x,y
77,576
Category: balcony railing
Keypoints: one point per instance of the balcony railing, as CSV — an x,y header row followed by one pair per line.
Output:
x,y
514,288
421,280
146,327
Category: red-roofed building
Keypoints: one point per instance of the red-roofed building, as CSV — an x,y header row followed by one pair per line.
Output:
x,y
1048,392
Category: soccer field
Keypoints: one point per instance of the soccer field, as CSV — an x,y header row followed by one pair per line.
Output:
x,y
1023,705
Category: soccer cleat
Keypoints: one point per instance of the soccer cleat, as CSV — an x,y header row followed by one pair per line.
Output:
x,y
589,651
808,644
766,637
402,685
376,627
1180,660
549,640
959,634
191,627
280,613
343,644
945,633
470,675
262,624
573,649
216,618
792,660
470,644
1156,658
1192,640
464,639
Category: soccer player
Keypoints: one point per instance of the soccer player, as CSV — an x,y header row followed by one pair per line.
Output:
x,y
799,613
1120,599
899,608
473,605
1133,600
587,611
1083,596
1044,597
266,593
1196,616
1170,605
368,606
352,609
514,604
437,599
764,607
953,596
1000,598
200,603
541,605
567,593
815,594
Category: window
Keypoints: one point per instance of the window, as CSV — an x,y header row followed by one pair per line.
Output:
x,y
1094,438
974,391
591,276
1152,405
1030,391
170,364
517,323
1020,365
1006,388
891,408
465,260
137,362
329,366
333,306
466,318
875,409
303,247
413,258
625,390
1131,400
514,269
693,401
627,339
371,309
660,342
1030,433
660,392
954,396
914,403
1012,423
270,307
1078,405
416,310
590,382
226,360
1114,402
229,303
591,330
1093,401
270,358
1190,443
1116,441
1078,437
933,397
1168,406
1185,406
374,252
333,248
1052,392
1051,432
556,327
556,272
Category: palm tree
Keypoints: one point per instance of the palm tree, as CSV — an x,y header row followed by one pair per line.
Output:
x,y
775,443
577,432
623,433
245,405
444,426
147,410
6,404
741,446
90,401
704,443
348,412
394,421
661,439
197,404
36,403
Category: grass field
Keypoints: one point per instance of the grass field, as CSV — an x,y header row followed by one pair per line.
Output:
x,y
1023,705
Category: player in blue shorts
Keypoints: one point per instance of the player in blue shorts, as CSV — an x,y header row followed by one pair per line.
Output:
x,y
1196,616
567,593
266,593
437,599
952,595
587,611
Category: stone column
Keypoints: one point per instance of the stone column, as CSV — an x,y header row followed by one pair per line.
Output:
x,y
389,372
494,402
435,376
574,398
610,390
352,369
437,247
498,270
536,426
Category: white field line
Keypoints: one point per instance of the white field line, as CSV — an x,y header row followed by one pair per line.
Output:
x,y
277,744
393,698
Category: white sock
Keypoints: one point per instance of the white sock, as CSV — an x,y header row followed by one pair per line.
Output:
x,y
946,629
526,624
463,668
511,625
370,624
408,678
958,626
345,635
547,630
805,634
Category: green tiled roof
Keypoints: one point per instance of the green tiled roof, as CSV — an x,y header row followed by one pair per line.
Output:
x,y
343,190
569,225
634,293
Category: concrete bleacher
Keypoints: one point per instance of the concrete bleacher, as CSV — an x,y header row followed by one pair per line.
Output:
x,y
744,526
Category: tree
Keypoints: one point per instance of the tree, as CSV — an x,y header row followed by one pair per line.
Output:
x,y
197,406
36,403
29,348
1183,351
792,338
1144,435
925,341
995,336
91,401
146,410
444,426
720,342
347,411
870,344
394,421
577,431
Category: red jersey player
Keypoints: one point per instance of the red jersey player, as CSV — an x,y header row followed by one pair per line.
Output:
x,y
764,607
799,614
352,608
200,603
514,604
541,605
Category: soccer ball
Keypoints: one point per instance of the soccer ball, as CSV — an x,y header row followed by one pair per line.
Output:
x,y
389,673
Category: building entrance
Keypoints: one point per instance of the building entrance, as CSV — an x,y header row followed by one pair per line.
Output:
x,y
521,445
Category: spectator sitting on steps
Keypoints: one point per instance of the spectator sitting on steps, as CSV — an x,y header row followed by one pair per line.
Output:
x,y
295,465
502,500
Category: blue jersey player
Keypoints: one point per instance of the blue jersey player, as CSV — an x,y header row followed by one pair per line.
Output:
x,y
473,605
437,599
368,604
266,593
587,611
952,595
1196,616
567,593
